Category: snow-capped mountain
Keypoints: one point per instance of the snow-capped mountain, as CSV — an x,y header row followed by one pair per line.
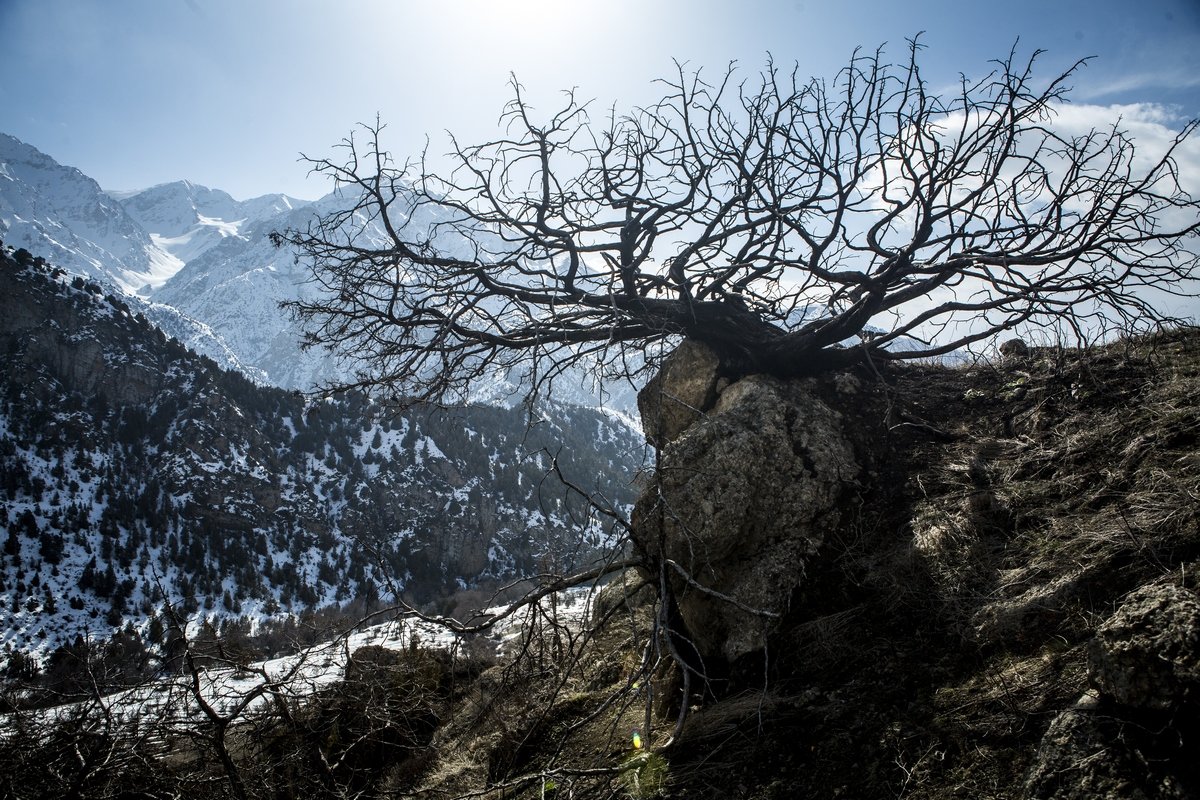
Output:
x,y
199,264
236,286
224,306
232,278
186,219
64,216
128,459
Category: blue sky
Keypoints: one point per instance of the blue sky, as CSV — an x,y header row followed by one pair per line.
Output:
x,y
228,93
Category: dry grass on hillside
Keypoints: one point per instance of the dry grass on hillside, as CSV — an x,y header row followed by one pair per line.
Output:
x,y
1014,505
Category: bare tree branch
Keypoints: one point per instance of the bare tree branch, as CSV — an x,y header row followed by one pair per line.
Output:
x,y
772,218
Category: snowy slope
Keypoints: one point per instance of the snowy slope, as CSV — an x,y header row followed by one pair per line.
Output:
x,y
204,270
127,241
186,219
236,287
61,214
131,467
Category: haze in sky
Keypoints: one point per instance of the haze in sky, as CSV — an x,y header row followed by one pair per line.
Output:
x,y
228,93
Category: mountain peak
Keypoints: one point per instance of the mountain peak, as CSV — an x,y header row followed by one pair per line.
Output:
x,y
58,212
170,209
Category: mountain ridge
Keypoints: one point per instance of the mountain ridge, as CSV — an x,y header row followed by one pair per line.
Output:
x,y
200,265
127,457
64,215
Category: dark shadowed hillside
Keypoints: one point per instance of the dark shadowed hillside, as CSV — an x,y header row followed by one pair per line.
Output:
x,y
134,472
1007,607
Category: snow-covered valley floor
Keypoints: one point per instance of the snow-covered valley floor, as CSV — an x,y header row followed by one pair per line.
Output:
x,y
235,691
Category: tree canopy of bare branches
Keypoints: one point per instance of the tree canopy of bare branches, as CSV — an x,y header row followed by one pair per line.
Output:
x,y
792,225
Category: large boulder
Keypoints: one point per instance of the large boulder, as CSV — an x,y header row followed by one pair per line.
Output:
x,y
684,388
1083,757
745,496
1147,655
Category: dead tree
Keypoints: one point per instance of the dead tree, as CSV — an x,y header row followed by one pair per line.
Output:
x,y
792,225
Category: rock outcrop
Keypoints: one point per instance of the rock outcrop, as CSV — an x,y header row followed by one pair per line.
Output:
x,y
1120,740
749,485
999,516
1147,655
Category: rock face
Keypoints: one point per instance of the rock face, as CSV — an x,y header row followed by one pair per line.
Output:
x,y
1120,740
63,336
748,489
678,396
1147,656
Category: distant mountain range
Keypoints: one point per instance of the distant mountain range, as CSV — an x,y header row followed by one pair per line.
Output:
x,y
141,466
199,265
